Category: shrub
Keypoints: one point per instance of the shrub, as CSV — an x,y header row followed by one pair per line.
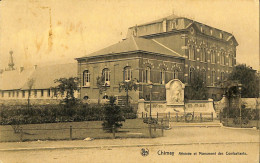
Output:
x,y
112,116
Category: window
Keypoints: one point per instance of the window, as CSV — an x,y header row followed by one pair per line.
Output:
x,y
49,92
213,56
192,52
9,94
204,55
175,74
86,78
29,93
23,94
106,74
221,35
85,97
35,93
222,58
222,76
13,93
162,76
191,74
55,92
148,74
230,60
105,97
213,77
204,77
42,92
17,93
3,93
127,74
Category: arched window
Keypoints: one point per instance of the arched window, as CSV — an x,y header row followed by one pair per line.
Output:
x,y
222,76
86,78
106,75
213,77
127,74
213,56
162,76
191,74
105,97
175,74
148,74
85,97
222,58
192,52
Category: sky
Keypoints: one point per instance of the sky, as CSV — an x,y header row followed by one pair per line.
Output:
x,y
79,27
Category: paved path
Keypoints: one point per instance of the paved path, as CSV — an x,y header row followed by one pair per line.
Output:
x,y
175,136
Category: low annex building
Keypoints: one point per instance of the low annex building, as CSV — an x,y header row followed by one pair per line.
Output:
x,y
157,52
15,84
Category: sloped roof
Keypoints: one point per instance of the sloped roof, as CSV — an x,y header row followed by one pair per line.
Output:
x,y
135,44
13,80
160,20
43,77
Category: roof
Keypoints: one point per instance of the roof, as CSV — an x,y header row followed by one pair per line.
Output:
x,y
43,77
135,44
13,80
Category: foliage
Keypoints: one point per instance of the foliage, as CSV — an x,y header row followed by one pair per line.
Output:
x,y
68,86
128,86
248,78
113,116
102,86
19,114
246,114
197,89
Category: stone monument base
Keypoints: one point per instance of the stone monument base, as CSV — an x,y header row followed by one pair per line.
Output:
x,y
175,108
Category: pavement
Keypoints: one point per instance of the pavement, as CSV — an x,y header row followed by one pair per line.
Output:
x,y
174,136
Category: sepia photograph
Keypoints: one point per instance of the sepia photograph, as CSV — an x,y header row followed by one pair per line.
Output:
x,y
129,81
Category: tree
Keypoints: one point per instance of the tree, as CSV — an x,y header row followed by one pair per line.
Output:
x,y
68,86
128,86
113,116
197,89
30,84
248,78
102,86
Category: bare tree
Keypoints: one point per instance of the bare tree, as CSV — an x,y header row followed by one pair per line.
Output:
x,y
30,84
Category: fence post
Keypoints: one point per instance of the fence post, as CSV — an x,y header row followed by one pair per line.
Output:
x,y
220,117
162,126
150,130
169,115
146,115
177,117
212,116
200,117
114,132
21,134
166,115
142,115
192,116
157,116
70,132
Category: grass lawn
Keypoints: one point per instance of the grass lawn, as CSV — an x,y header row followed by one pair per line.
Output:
x,y
132,128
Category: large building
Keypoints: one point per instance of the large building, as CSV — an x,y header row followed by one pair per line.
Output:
x,y
156,52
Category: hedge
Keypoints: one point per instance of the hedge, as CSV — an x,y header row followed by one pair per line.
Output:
x,y
20,114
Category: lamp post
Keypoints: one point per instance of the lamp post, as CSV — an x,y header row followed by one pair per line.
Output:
x,y
151,86
239,104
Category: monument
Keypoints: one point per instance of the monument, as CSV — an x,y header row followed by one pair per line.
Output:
x,y
175,96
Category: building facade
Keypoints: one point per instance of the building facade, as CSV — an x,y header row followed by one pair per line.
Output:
x,y
156,52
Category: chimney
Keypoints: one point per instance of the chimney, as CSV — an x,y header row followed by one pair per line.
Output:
x,y
21,69
35,67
